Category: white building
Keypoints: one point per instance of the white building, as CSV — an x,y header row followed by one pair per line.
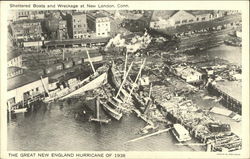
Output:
x,y
171,18
14,60
24,87
99,23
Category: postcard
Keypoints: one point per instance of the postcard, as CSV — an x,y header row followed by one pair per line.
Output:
x,y
124,79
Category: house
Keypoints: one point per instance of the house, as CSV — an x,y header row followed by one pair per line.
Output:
x,y
23,87
14,59
99,23
79,25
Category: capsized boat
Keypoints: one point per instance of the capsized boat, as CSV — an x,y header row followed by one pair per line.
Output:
x,y
112,109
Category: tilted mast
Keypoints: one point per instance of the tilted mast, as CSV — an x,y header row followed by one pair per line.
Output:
x,y
124,79
137,77
90,61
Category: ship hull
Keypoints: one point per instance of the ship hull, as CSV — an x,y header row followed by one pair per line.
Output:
x,y
114,78
95,83
112,112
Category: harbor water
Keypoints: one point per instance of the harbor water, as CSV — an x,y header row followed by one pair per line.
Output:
x,y
229,53
54,127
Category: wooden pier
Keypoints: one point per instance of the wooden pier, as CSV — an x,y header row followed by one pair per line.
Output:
x,y
227,100
25,105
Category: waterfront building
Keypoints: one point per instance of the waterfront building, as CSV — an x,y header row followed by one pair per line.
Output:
x,y
99,23
14,71
14,59
23,88
159,19
172,18
203,15
79,25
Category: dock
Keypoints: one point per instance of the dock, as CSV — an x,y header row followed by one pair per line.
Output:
x,y
229,91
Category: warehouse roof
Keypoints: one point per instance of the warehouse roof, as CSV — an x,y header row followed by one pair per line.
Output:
x,y
166,14
96,15
200,12
13,54
163,14
76,41
21,80
13,69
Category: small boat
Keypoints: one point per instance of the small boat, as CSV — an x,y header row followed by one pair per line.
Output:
x,y
180,133
19,110
112,109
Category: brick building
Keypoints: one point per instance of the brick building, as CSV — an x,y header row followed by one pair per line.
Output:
x,y
79,25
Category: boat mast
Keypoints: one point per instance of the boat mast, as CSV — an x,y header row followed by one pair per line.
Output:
x,y
126,58
137,77
98,108
90,61
63,54
124,79
150,90
44,86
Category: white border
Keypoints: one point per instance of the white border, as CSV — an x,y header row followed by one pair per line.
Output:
x,y
147,5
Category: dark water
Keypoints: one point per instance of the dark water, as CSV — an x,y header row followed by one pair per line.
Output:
x,y
54,127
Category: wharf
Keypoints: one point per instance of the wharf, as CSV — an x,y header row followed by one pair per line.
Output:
x,y
230,91
231,88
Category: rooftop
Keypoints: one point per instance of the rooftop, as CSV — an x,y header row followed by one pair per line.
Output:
x,y
76,41
28,21
78,13
13,69
22,80
162,14
13,54
96,15
166,14
200,12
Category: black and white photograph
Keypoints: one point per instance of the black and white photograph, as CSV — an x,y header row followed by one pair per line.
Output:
x,y
124,80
